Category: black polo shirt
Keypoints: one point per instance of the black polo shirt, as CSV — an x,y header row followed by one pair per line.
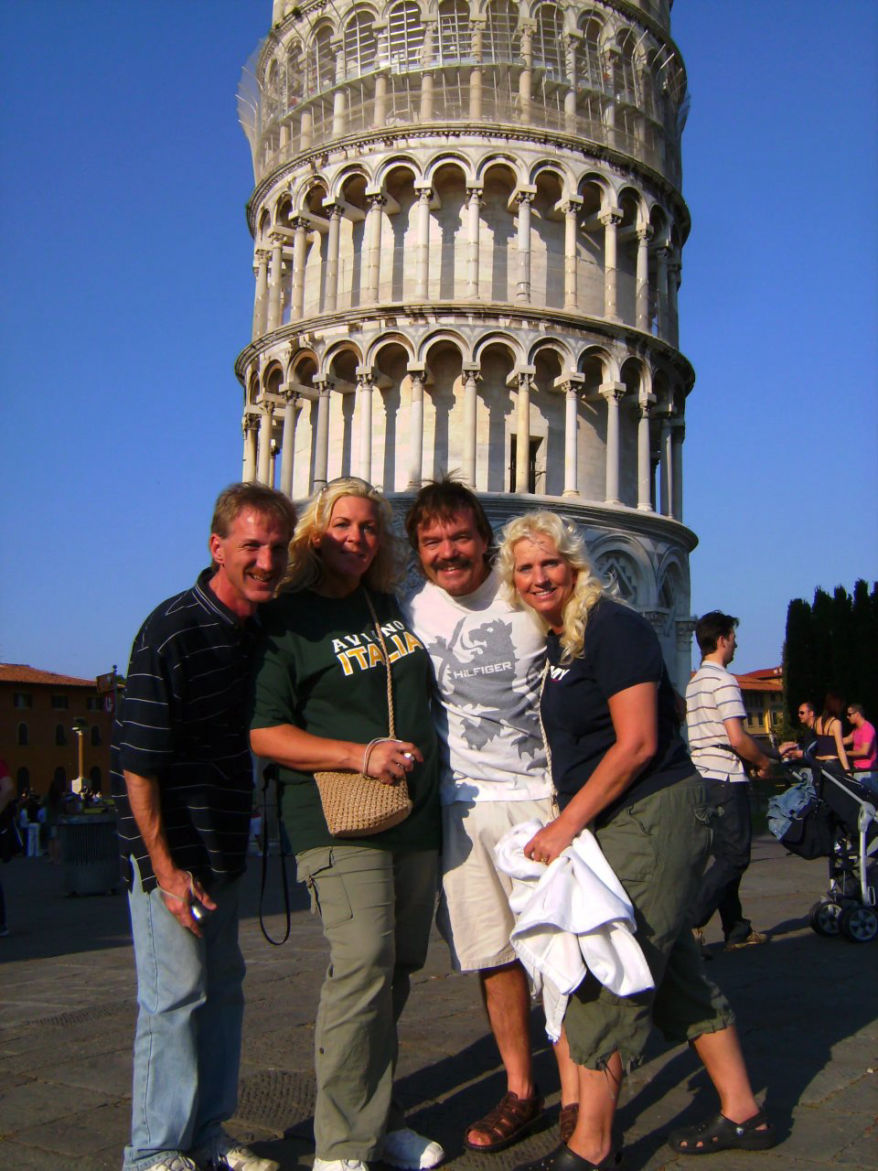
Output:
x,y
183,720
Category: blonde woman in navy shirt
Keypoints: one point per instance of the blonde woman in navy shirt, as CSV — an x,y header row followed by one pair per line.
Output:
x,y
621,769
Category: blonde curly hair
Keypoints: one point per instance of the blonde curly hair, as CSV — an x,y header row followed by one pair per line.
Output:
x,y
587,590
305,568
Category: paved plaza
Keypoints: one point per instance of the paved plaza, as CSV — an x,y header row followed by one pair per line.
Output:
x,y
807,1009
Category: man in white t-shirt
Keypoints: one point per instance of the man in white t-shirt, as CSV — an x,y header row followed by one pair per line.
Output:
x,y
719,747
488,659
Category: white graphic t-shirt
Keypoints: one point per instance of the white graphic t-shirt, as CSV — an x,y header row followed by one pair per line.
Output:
x,y
487,658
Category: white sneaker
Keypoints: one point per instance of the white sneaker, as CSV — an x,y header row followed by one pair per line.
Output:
x,y
227,1154
340,1165
175,1162
412,1151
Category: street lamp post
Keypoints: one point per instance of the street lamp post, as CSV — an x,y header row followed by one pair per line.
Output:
x,y
79,727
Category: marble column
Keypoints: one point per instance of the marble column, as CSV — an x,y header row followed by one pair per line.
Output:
x,y
422,242
570,208
272,462
365,382
300,258
678,434
260,301
525,79
275,285
572,387
372,249
331,289
288,444
685,628
473,206
666,465
265,428
570,43
250,427
612,393
471,376
379,115
524,199
475,76
426,110
522,436
674,271
417,374
611,220
661,292
644,455
339,111
321,445
644,234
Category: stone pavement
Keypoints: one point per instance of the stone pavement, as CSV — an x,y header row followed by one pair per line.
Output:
x,y
807,1009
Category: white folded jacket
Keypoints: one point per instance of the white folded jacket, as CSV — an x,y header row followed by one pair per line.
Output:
x,y
571,918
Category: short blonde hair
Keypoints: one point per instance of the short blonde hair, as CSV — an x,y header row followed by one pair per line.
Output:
x,y
305,568
588,588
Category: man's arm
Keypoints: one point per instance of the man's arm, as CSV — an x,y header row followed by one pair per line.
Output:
x,y
177,886
745,746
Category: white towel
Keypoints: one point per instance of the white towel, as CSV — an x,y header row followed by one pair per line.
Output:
x,y
572,917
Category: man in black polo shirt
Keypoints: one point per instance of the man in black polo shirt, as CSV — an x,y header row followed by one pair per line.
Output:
x,y
183,783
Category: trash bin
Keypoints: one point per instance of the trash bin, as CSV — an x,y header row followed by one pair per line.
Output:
x,y
89,853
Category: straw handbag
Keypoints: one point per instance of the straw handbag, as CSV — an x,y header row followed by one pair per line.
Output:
x,y
356,805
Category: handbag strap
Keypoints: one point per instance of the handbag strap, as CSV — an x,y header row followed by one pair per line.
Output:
x,y
390,717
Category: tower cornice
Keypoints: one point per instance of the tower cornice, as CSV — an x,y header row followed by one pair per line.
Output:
x,y
496,315
483,132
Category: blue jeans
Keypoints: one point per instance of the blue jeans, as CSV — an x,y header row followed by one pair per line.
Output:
x,y
187,1046
730,848
868,779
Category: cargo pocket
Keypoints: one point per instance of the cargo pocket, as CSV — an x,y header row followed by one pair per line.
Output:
x,y
327,888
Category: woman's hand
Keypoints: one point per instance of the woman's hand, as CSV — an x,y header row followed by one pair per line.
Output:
x,y
550,842
389,761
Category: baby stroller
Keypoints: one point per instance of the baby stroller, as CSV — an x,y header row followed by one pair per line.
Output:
x,y
827,814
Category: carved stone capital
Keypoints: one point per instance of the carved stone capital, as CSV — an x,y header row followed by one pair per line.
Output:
x,y
613,391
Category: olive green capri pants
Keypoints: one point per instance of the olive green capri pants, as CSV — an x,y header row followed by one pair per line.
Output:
x,y
377,908
657,847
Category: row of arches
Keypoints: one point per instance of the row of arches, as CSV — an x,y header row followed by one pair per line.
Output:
x,y
589,72
541,419
492,227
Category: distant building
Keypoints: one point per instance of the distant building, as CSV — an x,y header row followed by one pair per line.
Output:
x,y
763,698
37,737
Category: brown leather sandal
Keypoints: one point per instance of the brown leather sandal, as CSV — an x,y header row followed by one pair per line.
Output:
x,y
511,1119
567,1120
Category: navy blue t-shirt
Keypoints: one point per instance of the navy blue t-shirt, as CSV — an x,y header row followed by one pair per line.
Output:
x,y
621,650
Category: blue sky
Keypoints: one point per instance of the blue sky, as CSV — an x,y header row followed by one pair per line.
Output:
x,y
128,293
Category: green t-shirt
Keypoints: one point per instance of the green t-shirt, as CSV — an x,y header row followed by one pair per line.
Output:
x,y
320,667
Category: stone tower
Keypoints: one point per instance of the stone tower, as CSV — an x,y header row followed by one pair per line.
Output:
x,y
468,230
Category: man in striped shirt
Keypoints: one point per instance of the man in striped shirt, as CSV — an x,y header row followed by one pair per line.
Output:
x,y
183,784
719,748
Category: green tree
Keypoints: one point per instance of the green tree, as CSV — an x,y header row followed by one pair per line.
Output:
x,y
832,644
798,658
864,656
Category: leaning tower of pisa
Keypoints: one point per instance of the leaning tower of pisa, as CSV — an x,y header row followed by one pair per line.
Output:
x,y
468,228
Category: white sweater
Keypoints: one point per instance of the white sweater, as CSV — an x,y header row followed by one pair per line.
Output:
x,y
571,918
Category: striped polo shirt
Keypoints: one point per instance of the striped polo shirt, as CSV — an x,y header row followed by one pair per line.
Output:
x,y
713,695
183,720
